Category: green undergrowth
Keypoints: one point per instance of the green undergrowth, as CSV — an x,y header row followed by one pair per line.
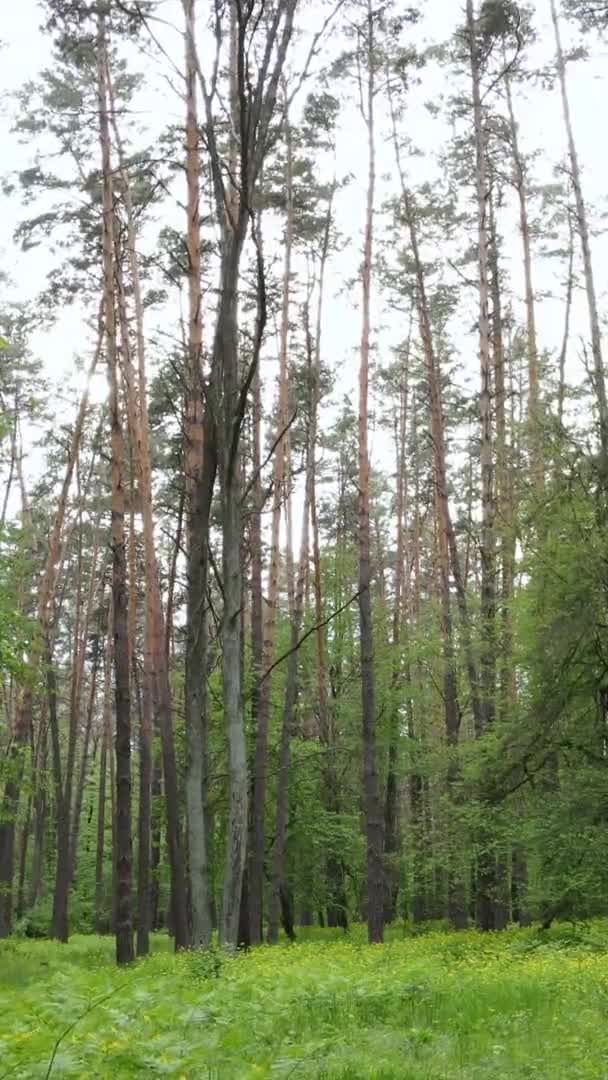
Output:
x,y
433,1006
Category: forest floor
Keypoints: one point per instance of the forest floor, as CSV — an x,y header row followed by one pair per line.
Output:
x,y
435,1006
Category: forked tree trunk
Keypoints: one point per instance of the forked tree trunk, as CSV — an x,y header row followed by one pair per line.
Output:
x,y
252,110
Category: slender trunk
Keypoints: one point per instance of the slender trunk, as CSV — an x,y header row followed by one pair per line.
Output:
x,y
446,545
534,410
315,376
144,817
156,844
391,800
374,825
561,393
144,699
59,922
450,698
256,862
123,854
175,547
198,495
420,841
507,691
84,765
40,814
66,839
504,514
23,847
113,829
255,868
226,357
487,537
106,748
13,460
336,906
277,884
486,876
155,656
583,230
233,211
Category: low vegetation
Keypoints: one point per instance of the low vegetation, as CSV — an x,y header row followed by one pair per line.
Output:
x,y
522,1003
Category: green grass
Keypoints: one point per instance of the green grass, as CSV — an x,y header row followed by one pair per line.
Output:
x,y
437,1006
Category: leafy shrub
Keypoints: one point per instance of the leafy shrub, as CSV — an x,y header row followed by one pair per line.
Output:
x,y
205,964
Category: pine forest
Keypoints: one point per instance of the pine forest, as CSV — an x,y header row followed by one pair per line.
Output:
x,y
303,539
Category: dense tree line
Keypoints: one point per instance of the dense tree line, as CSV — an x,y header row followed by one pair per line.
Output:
x,y
280,645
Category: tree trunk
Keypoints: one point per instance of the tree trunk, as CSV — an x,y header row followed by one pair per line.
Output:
x,y
374,825
200,475
535,437
391,800
583,229
446,542
256,861
66,836
106,748
252,110
287,727
563,353
40,813
226,346
123,855
84,764
156,921
156,671
486,866
255,867
487,537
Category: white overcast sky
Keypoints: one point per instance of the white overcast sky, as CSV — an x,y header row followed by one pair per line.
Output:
x,y
26,51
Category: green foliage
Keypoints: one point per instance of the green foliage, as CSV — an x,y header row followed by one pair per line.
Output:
x,y
15,628
517,1005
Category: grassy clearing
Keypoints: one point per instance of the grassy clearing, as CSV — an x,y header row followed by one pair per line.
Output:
x,y
435,1007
